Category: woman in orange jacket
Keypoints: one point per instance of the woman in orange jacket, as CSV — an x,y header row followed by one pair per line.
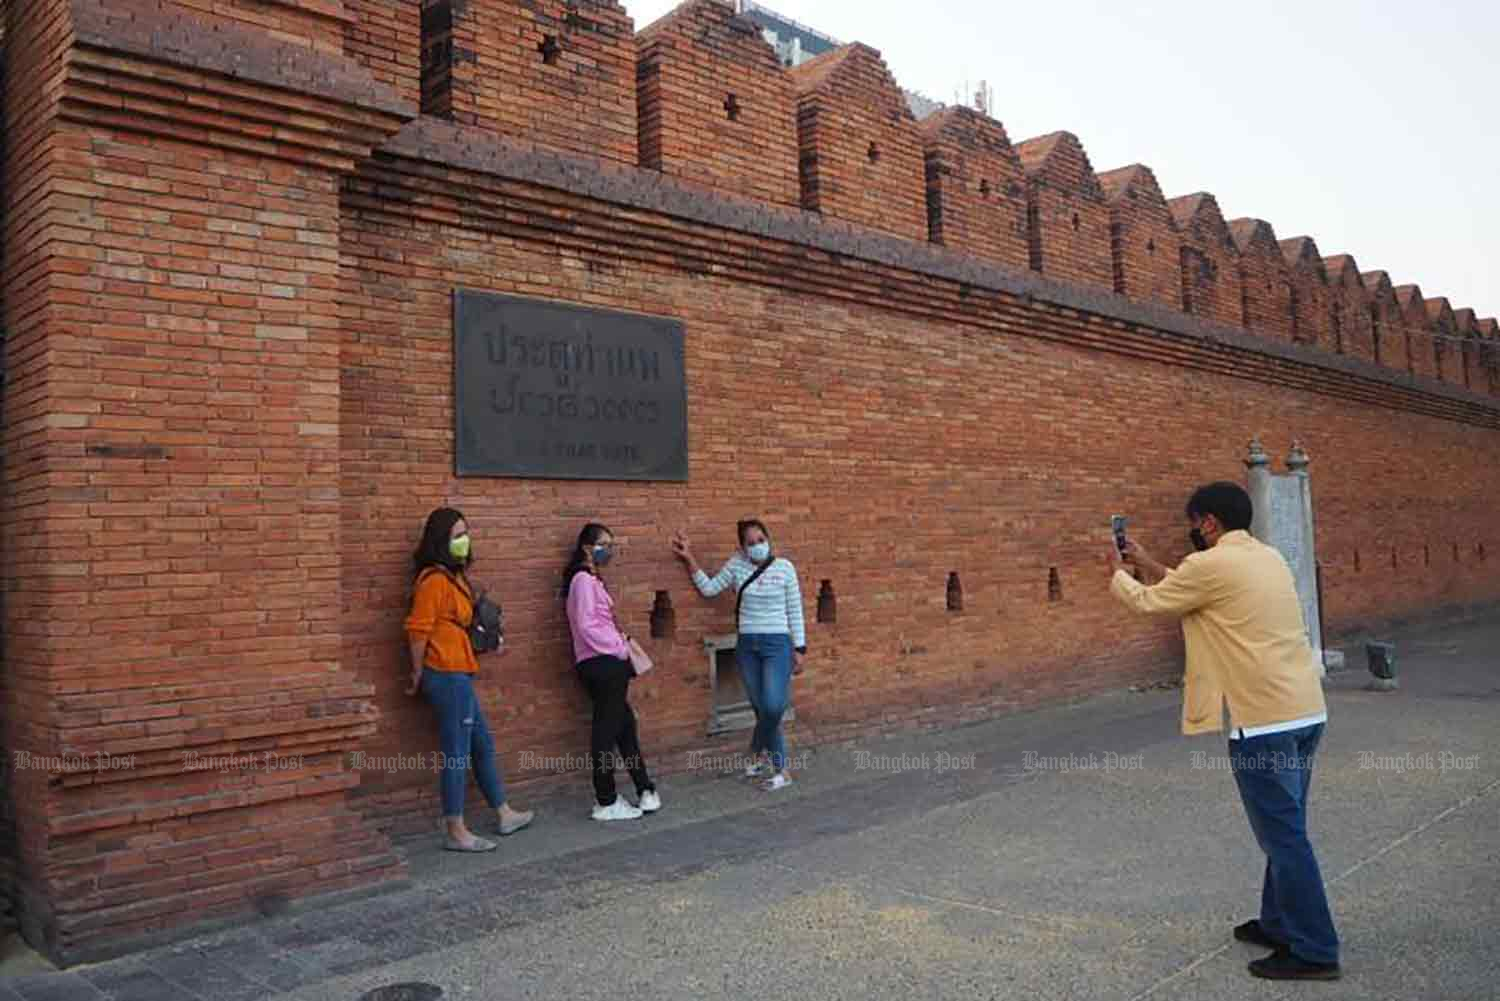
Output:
x,y
443,666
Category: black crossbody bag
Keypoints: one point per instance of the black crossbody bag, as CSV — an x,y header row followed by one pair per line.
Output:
x,y
739,601
486,626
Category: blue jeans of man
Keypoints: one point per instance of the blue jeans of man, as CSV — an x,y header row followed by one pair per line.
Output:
x,y
1273,773
464,739
765,663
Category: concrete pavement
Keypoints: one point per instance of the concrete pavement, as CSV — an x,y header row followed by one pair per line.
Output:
x,y
1078,852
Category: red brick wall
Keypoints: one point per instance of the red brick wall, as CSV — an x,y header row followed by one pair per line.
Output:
x,y
227,411
1466,328
1389,339
1067,221
318,24
846,408
1211,280
1266,295
1489,354
557,73
716,107
1351,327
171,510
35,39
1145,248
976,194
385,37
1448,358
862,159
195,396
1420,352
1310,306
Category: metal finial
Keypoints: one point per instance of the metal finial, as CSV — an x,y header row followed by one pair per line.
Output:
x,y
1297,458
1258,456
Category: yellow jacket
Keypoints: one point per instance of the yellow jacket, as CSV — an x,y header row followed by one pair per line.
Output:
x,y
1242,624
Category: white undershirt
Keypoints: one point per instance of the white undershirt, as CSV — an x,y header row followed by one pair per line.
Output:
x,y
1240,733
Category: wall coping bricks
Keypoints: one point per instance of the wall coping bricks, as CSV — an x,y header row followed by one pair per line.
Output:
x,y
437,142
160,31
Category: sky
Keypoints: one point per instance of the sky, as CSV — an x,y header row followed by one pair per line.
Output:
x,y
1373,127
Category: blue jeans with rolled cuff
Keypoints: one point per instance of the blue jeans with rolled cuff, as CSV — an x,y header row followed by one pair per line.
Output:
x,y
464,740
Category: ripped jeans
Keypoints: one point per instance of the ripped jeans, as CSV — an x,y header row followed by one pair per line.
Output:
x,y
464,740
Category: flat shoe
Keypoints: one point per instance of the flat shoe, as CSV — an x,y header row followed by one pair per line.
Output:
x,y
476,846
523,820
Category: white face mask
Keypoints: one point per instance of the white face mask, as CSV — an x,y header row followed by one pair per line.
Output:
x,y
760,552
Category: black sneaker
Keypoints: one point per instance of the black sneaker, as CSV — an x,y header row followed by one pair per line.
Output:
x,y
1282,965
1252,932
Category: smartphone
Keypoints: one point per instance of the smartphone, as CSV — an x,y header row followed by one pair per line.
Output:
x,y
1117,525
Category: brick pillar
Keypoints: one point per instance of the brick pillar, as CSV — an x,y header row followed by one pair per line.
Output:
x,y
561,74
715,105
172,644
1211,281
1267,290
976,191
1067,218
1144,244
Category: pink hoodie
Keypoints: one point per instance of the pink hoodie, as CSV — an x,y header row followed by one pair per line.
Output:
x,y
592,621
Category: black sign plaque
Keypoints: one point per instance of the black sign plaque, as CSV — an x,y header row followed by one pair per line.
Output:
x,y
548,390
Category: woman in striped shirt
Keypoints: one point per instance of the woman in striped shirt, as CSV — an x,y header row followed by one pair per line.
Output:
x,y
772,637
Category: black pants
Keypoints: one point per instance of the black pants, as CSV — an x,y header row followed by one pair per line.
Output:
x,y
608,682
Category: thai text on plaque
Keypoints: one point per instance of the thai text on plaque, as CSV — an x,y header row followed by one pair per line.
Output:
x,y
551,390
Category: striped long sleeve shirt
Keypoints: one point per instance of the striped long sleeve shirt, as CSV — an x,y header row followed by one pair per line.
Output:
x,y
772,605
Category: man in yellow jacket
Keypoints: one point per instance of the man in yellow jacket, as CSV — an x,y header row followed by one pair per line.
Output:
x,y
1247,647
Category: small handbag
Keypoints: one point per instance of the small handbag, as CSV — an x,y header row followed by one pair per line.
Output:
x,y
640,660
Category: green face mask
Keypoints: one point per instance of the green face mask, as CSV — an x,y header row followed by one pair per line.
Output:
x,y
458,547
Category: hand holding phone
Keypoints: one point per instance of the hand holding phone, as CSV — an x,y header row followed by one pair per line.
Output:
x,y
1117,526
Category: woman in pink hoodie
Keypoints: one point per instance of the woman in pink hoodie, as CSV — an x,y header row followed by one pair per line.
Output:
x,y
601,653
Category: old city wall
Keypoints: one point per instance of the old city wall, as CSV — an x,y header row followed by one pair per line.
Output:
x,y
229,406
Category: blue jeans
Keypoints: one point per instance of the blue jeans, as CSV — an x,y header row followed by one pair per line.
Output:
x,y
1273,773
464,739
765,663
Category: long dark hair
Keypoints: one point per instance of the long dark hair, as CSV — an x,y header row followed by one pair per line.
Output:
x,y
592,533
432,551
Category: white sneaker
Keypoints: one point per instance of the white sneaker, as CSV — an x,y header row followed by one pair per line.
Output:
x,y
620,809
650,802
778,781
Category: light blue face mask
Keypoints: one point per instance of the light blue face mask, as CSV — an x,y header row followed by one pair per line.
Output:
x,y
760,552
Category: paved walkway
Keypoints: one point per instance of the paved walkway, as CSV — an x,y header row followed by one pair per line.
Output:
x,y
1081,852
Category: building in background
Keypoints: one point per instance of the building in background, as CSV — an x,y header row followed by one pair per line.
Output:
x,y
795,43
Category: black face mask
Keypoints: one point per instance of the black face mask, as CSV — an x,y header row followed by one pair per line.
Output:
x,y
1199,542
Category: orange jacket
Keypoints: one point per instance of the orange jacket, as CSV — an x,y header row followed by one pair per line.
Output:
x,y
441,609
